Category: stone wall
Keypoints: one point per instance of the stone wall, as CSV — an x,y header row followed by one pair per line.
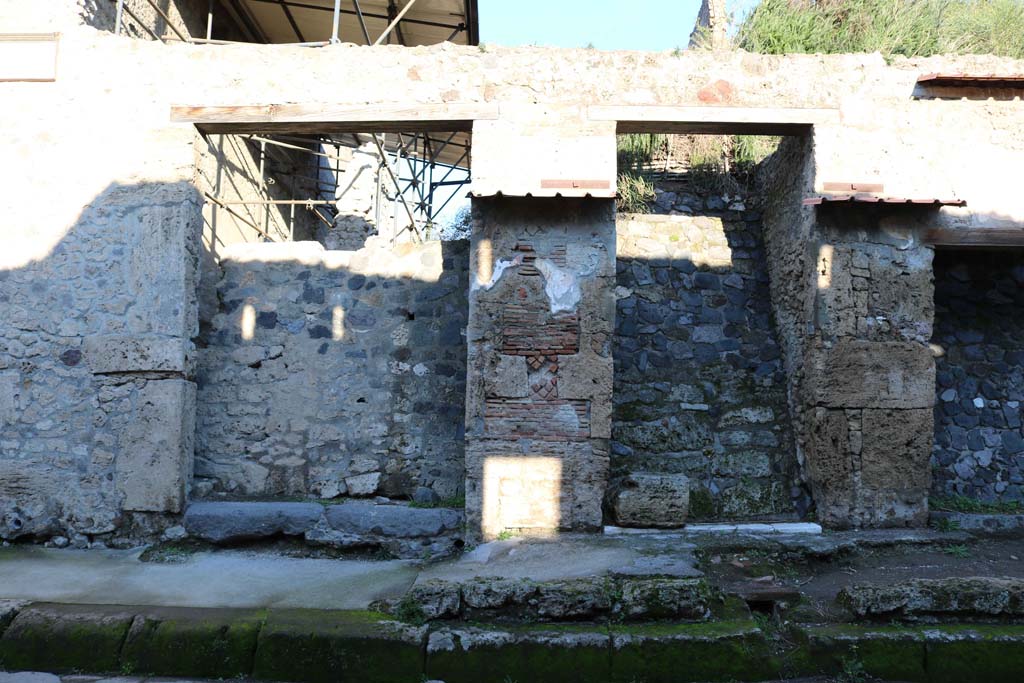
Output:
x,y
539,382
979,325
699,383
851,287
328,373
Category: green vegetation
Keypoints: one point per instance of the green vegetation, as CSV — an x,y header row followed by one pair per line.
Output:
x,y
960,503
946,525
410,611
635,153
910,28
961,551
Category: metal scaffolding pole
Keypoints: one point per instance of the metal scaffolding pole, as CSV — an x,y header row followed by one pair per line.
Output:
x,y
362,20
118,16
337,22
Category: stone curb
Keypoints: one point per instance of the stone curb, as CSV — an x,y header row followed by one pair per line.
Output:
x,y
980,524
314,645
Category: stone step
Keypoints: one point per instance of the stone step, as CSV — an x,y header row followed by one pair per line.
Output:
x,y
325,645
971,598
580,599
403,530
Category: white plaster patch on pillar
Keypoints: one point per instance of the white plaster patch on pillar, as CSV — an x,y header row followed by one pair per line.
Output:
x,y
562,286
500,266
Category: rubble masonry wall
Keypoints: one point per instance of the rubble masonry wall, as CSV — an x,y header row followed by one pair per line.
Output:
x,y
330,373
979,324
700,387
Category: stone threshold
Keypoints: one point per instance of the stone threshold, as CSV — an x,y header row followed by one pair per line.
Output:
x,y
323,645
978,523
726,528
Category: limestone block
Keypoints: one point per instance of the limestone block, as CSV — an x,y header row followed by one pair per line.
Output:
x,y
863,374
143,353
397,521
155,449
363,484
644,500
10,397
897,449
509,379
225,522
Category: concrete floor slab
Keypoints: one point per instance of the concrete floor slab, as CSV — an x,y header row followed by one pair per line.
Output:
x,y
207,579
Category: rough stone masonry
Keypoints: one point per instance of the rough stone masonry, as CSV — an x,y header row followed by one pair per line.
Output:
x,y
111,260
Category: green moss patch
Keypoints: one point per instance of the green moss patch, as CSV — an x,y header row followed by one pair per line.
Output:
x,y
201,643
560,654
65,638
672,653
314,646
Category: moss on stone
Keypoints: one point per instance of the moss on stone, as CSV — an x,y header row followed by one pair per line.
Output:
x,y
712,651
193,642
551,653
65,638
313,645
702,503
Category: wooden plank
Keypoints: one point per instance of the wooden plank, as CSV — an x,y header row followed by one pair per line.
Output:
x,y
334,118
714,120
28,57
975,237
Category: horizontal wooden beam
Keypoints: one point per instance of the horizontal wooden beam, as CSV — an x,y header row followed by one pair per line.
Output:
x,y
713,120
975,237
334,118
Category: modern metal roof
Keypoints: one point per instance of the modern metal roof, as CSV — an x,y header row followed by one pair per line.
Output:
x,y
427,22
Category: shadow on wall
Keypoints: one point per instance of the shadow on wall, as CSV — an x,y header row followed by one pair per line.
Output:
x,y
979,325
329,373
700,388
95,411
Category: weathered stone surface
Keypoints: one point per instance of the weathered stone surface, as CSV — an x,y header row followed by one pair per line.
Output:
x,y
870,374
980,376
466,654
156,446
643,499
950,598
331,373
106,354
202,643
727,651
540,289
65,638
979,523
315,646
699,385
397,521
227,522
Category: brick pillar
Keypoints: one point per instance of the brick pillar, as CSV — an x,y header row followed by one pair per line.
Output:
x,y
539,377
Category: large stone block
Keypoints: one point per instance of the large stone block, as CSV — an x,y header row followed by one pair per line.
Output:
x,y
155,447
643,500
147,353
397,521
227,522
865,374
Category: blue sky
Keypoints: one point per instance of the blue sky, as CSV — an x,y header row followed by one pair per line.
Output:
x,y
607,24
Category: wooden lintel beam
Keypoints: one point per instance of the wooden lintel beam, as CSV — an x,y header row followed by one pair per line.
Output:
x,y
975,237
327,118
713,120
